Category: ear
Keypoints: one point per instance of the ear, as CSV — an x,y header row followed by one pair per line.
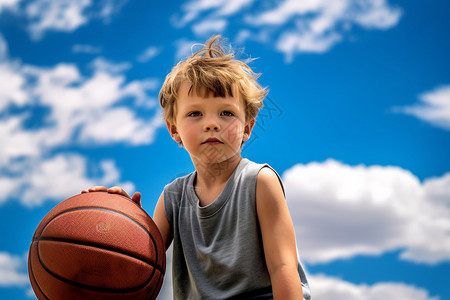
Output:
x,y
248,130
173,132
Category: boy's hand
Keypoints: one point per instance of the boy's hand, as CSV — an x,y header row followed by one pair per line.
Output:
x,y
114,190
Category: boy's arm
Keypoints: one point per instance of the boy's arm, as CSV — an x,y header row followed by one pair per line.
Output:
x,y
278,236
160,218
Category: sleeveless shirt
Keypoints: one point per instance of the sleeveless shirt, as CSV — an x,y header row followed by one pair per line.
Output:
x,y
217,249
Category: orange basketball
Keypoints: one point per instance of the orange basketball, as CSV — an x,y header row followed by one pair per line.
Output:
x,y
97,246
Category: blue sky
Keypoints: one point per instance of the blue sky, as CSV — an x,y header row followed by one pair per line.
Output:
x,y
357,123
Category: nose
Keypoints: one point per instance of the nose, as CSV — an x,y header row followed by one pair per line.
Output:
x,y
211,123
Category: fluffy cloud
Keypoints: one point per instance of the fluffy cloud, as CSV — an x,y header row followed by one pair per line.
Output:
x,y
16,142
119,124
434,107
44,110
88,49
148,54
184,48
55,178
317,25
105,66
341,211
67,15
78,104
208,27
220,8
108,8
11,84
296,26
3,48
62,176
325,288
12,270
8,4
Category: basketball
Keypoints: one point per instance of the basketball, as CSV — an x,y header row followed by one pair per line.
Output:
x,y
97,245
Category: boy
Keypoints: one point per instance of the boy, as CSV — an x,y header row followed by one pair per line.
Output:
x,y
232,233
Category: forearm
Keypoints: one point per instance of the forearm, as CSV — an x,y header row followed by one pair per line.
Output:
x,y
286,283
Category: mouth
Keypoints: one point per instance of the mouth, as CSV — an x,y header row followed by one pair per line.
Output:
x,y
212,141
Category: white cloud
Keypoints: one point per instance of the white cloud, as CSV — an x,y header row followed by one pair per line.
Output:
x,y
434,107
67,15
63,15
3,48
17,142
325,288
57,178
11,86
8,186
139,88
8,4
192,10
292,42
342,211
294,27
376,14
184,48
119,124
66,108
230,7
106,66
438,189
148,54
79,103
108,8
12,270
285,11
317,25
89,49
207,27
65,175
11,80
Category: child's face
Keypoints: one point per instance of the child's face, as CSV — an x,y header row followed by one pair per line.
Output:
x,y
211,129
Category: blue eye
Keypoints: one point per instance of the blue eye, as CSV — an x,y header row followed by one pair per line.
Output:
x,y
227,113
194,114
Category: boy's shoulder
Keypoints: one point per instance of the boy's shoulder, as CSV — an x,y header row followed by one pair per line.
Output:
x,y
249,171
254,168
179,181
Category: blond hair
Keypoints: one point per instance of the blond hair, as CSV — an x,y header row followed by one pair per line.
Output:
x,y
212,70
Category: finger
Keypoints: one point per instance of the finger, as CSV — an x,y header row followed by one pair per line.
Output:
x,y
118,190
137,198
97,189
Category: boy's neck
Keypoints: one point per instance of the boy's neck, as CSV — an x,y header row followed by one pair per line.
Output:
x,y
209,175
212,178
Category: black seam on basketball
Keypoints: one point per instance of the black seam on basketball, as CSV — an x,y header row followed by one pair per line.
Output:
x,y
32,274
99,208
103,247
93,288
156,291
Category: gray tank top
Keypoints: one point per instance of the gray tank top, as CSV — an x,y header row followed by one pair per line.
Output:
x,y
217,249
